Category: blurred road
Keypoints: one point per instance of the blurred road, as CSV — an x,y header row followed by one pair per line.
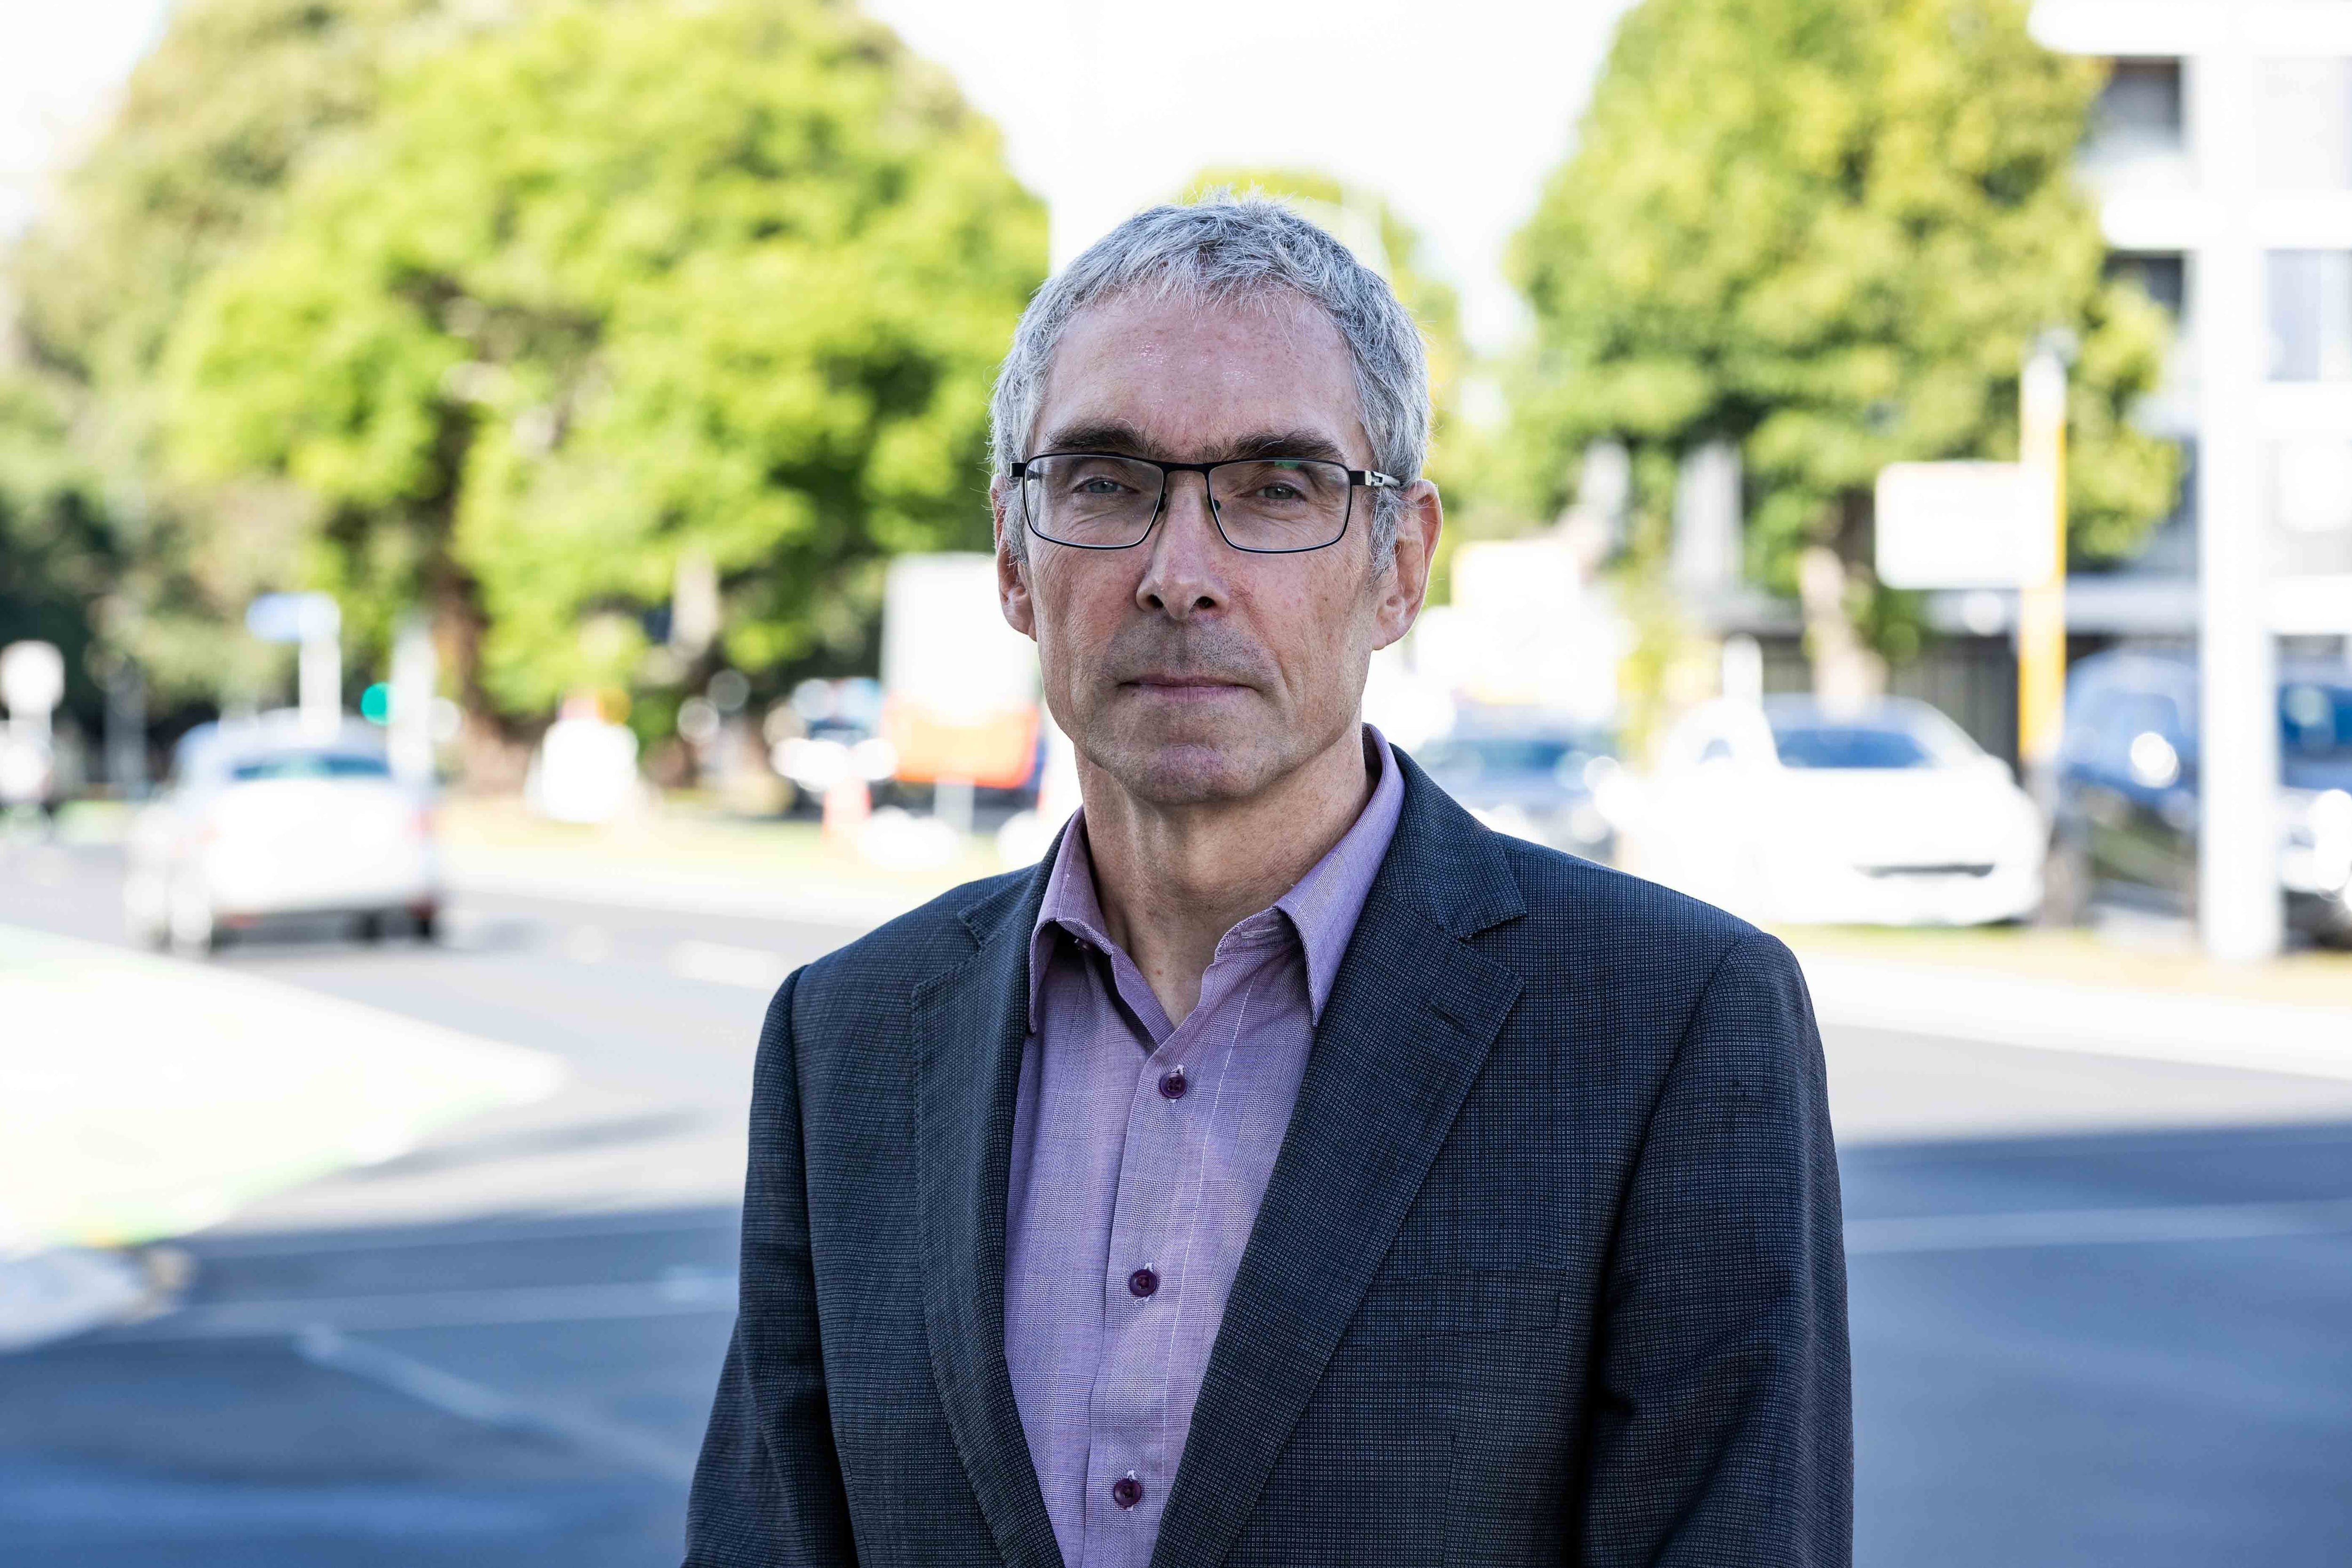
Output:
x,y
2099,1303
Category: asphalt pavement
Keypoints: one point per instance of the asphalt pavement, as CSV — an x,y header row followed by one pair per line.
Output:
x,y
2099,1304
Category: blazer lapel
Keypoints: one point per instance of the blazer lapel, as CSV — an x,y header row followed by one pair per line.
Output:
x,y
1408,1022
970,1026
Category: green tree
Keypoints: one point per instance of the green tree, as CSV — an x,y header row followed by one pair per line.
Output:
x,y
56,550
625,286
1828,231
190,170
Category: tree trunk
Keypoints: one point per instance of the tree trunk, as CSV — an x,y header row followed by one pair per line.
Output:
x,y
491,759
1832,580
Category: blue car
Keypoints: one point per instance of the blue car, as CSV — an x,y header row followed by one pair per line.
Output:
x,y
2128,808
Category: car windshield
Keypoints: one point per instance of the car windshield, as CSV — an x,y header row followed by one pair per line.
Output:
x,y
1503,756
1822,745
2314,720
309,765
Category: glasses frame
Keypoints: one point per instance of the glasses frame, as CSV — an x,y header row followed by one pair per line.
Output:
x,y
1358,478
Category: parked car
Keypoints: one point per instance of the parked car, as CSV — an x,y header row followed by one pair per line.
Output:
x,y
2125,823
1533,779
1892,816
261,820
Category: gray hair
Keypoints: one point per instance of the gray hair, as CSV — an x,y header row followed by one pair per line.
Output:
x,y
1222,249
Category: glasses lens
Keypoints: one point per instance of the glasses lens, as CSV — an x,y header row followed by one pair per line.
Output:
x,y
1281,503
1096,502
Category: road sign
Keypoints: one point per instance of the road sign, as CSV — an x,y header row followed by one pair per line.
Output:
x,y
32,679
294,618
1964,525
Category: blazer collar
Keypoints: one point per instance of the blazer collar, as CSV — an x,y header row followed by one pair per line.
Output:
x,y
1408,1025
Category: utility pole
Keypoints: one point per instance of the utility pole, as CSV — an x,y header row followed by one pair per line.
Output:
x,y
2042,601
2240,908
409,739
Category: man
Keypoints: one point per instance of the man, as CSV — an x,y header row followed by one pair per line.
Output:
x,y
1287,1170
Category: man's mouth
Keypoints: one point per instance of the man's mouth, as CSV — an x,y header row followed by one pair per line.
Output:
x,y
1182,684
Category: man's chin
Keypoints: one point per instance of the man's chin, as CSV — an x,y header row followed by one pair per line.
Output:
x,y
1190,770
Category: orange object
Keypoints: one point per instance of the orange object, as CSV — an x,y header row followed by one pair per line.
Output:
x,y
994,751
847,806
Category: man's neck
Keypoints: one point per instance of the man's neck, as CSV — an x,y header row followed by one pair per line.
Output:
x,y
1172,882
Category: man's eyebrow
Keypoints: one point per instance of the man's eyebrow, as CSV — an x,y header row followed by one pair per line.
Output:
x,y
1282,444
1113,436
1127,441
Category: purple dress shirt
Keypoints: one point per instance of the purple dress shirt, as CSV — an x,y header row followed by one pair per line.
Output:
x,y
1140,1153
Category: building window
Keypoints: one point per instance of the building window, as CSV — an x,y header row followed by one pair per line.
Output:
x,y
2311,504
2137,128
2311,315
2303,124
2163,276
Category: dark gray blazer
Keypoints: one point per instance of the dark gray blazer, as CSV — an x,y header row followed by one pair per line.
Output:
x,y
1549,1271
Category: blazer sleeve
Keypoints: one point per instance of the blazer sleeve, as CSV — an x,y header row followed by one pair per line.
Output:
x,y
1723,1421
768,1490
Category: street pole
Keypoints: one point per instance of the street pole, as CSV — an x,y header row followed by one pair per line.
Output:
x,y
126,728
319,676
2041,600
409,729
2240,908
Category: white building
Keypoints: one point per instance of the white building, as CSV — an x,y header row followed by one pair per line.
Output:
x,y
2222,158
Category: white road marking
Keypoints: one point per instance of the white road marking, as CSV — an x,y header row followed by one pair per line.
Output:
x,y
462,1397
678,1293
2096,1227
473,1233
722,964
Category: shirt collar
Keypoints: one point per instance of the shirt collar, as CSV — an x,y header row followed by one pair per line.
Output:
x,y
1322,906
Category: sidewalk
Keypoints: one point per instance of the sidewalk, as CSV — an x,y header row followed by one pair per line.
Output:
x,y
2066,991
143,1097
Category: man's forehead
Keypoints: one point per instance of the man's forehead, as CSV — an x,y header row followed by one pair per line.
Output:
x,y
1182,375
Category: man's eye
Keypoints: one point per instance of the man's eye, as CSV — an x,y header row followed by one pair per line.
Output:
x,y
1099,486
1279,492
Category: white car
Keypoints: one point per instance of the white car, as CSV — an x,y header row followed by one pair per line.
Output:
x,y
263,819
1783,811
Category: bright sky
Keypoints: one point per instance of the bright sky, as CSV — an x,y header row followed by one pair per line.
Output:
x,y
1453,112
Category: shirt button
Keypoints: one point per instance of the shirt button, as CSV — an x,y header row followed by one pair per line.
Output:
x,y
1126,1491
1142,1283
1171,1084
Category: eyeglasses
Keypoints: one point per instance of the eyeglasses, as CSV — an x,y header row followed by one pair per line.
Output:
x,y
1267,506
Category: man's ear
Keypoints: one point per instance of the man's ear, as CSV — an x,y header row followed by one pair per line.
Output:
x,y
1012,569
1404,587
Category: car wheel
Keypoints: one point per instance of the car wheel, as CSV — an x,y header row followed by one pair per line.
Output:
x,y
428,925
2066,882
148,930
372,927
191,931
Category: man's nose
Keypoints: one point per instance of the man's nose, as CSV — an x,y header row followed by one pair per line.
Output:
x,y
1184,572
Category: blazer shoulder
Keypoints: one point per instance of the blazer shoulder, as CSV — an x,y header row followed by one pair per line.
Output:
x,y
1554,884
902,954
1590,923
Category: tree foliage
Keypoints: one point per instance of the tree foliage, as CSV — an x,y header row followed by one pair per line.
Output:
x,y
622,283
1828,230
186,174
